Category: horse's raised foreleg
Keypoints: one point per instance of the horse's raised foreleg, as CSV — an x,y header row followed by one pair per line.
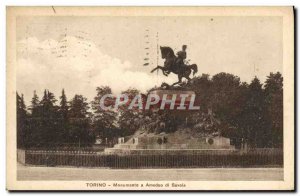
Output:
x,y
162,69
158,67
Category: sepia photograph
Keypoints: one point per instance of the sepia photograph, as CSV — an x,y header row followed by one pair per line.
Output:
x,y
150,98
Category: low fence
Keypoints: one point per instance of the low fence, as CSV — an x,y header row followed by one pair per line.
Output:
x,y
212,159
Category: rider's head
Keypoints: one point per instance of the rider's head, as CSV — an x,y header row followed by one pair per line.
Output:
x,y
184,47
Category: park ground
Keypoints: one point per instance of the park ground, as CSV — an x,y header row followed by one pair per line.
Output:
x,y
28,173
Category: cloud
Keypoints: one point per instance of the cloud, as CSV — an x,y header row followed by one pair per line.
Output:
x,y
76,65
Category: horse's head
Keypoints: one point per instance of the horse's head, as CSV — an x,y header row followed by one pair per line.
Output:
x,y
166,52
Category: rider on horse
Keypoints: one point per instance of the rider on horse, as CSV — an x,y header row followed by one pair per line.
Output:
x,y
181,56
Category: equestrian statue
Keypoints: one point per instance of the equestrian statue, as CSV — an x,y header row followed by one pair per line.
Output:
x,y
176,64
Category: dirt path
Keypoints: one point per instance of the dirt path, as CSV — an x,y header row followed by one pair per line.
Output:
x,y
221,174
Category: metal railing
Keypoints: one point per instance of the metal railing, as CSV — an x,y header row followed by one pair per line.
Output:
x,y
212,159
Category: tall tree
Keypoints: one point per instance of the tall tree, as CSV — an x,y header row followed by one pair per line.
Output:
x,y
63,118
274,103
240,133
224,92
80,130
64,108
202,86
104,121
35,103
257,132
21,121
79,107
49,109
49,130
224,101
34,122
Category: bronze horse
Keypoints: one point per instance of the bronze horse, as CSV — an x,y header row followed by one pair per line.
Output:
x,y
170,66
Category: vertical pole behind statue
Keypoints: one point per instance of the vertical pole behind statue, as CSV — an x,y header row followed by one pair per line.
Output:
x,y
157,53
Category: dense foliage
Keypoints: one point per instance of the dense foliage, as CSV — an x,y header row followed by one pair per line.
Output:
x,y
252,113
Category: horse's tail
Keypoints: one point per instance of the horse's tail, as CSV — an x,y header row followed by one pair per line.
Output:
x,y
194,67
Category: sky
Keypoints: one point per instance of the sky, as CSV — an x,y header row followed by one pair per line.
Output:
x,y
82,53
